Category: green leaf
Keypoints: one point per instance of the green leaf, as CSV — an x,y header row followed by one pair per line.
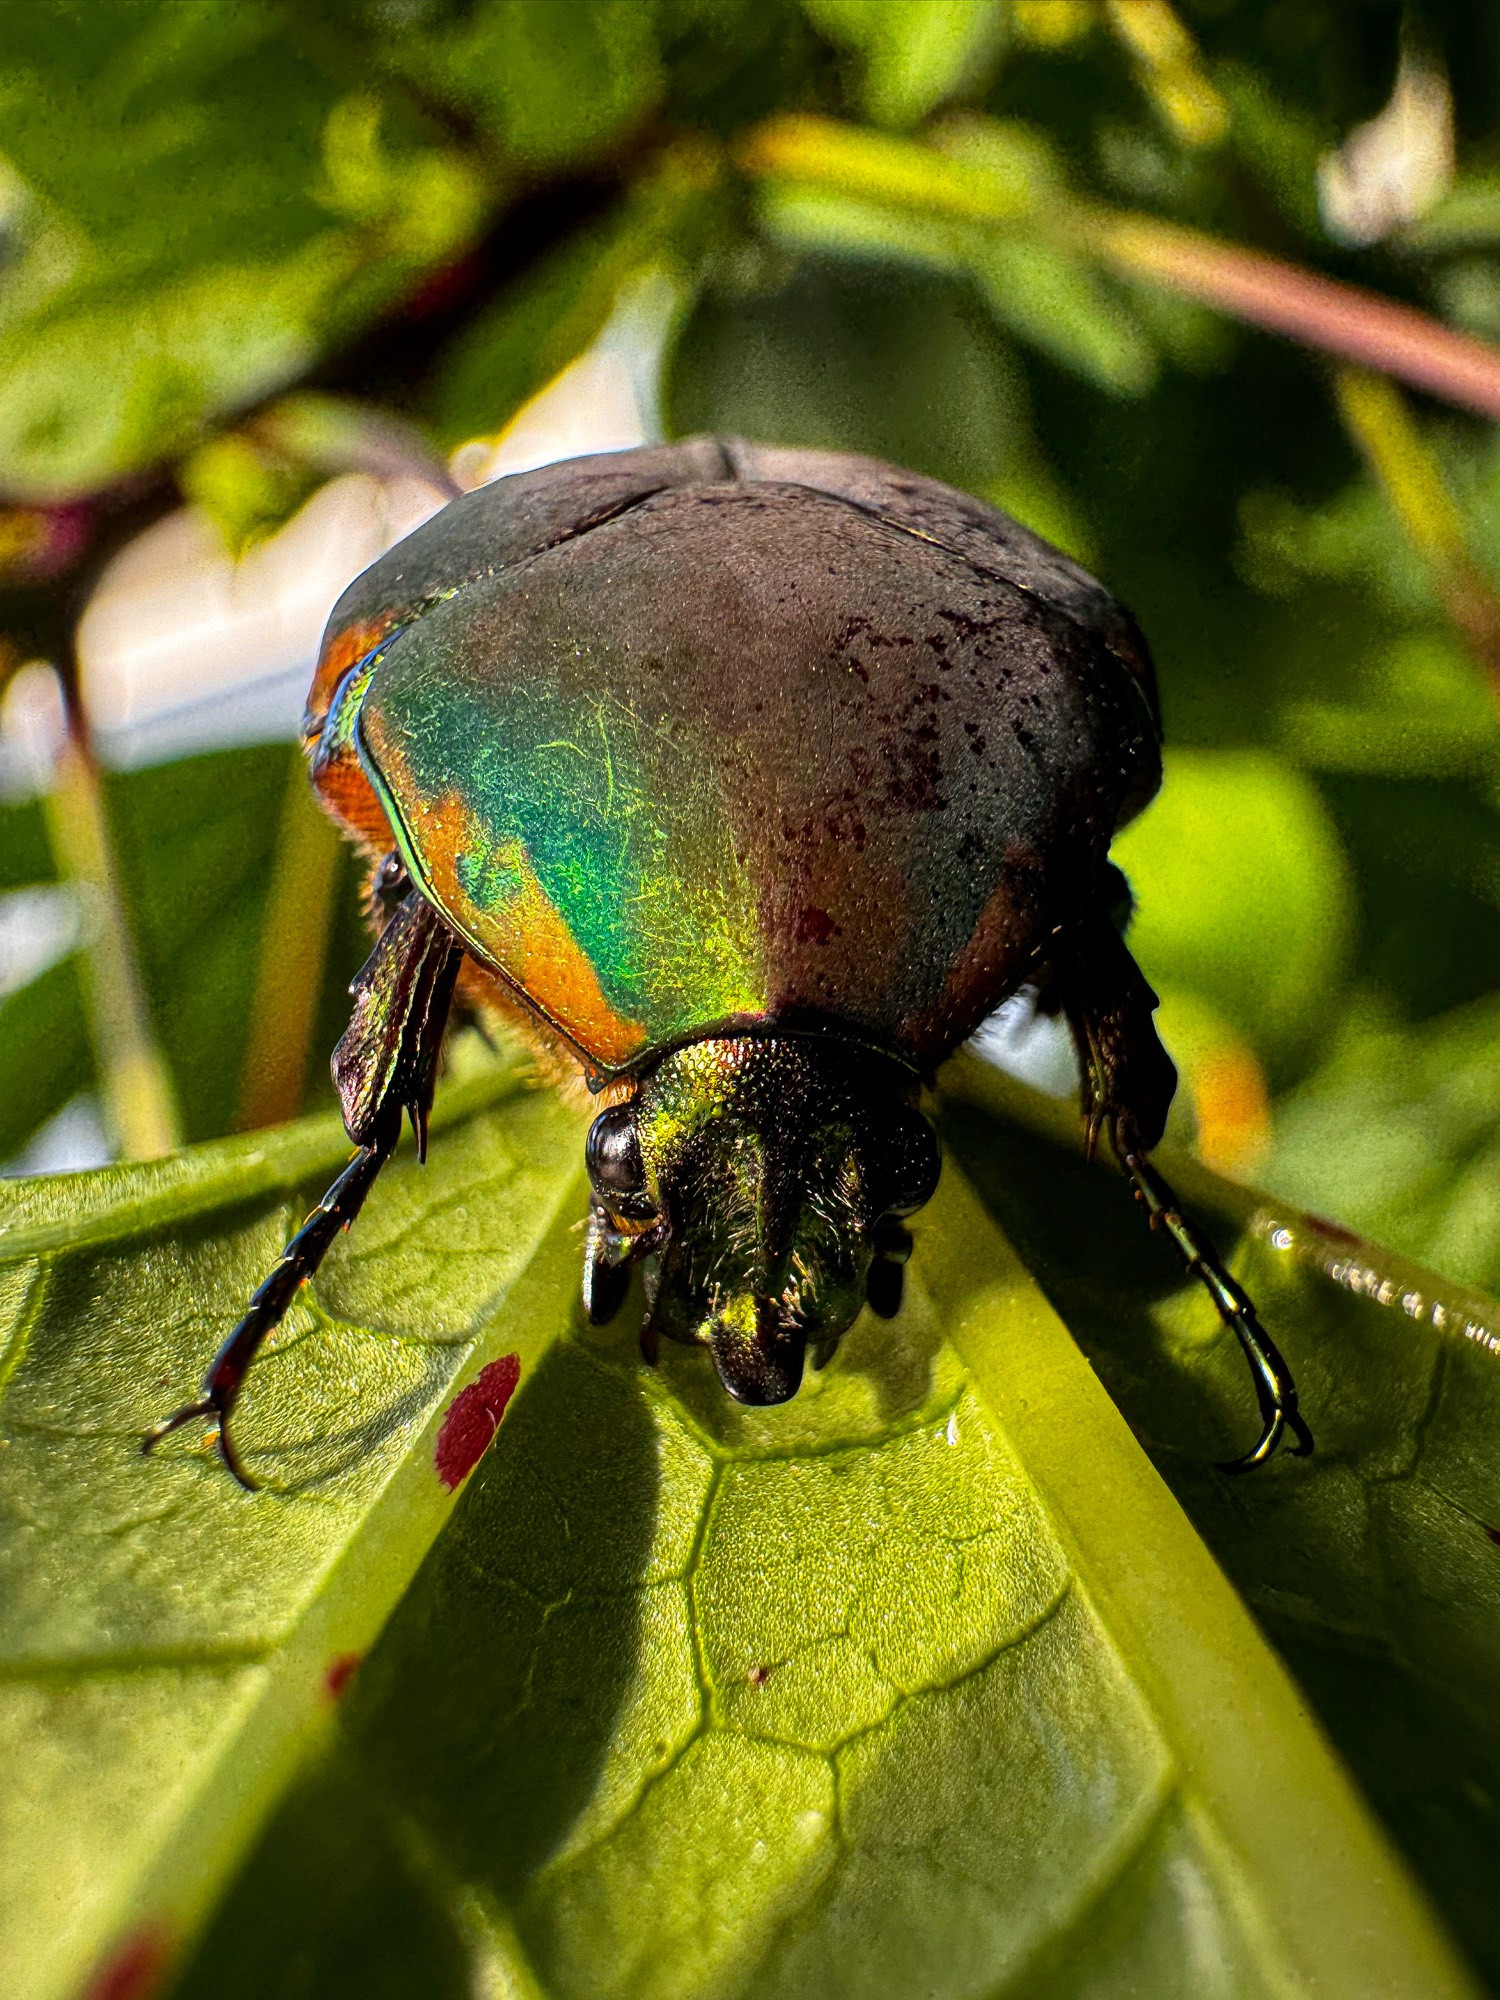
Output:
x,y
1242,893
922,1679
195,842
1374,1566
552,84
921,1683
1051,299
202,209
1397,1130
45,1057
166,1638
24,854
913,58
903,364
506,354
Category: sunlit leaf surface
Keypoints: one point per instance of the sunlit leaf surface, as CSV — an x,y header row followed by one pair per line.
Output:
x,y
1375,1566
167,1640
923,1678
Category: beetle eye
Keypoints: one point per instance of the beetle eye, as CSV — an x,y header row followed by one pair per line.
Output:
x,y
616,1170
912,1164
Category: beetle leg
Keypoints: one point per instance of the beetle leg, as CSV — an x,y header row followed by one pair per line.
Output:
x,y
1127,1084
608,1253
1274,1388
606,1268
299,1260
385,1065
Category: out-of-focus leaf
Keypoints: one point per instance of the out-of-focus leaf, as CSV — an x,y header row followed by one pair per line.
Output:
x,y
1242,893
45,1057
978,173
813,219
902,364
195,844
1419,707
1051,299
1278,141
247,491
205,208
1352,538
1467,217
919,1683
1375,1565
912,59
168,1640
1399,1131
24,854
541,324
552,85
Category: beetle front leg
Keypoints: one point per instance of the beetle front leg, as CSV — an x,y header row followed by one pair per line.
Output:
x,y
608,1253
385,1068
1128,1082
299,1261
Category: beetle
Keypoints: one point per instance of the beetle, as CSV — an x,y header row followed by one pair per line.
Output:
x,y
752,780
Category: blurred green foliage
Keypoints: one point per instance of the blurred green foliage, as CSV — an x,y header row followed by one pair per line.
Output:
x,y
432,208
415,213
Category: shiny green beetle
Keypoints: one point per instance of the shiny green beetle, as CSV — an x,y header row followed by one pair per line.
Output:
x,y
753,780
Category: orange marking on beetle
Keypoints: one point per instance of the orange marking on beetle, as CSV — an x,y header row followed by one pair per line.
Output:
x,y
347,796
472,1419
338,1674
133,1970
522,934
340,652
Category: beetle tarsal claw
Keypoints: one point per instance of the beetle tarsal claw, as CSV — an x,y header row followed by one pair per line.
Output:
x,y
1284,1419
208,1408
1275,1390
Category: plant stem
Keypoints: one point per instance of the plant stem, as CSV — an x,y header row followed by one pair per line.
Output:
x,y
1380,423
293,954
1319,312
133,1078
1247,285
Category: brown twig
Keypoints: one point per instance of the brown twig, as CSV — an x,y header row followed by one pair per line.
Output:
x,y
1248,285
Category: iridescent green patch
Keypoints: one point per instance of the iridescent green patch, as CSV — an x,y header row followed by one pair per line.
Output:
x,y
542,824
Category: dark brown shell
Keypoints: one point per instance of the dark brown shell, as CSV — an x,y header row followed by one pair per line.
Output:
x,y
713,733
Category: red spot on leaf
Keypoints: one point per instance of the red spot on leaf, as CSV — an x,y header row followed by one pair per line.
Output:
x,y
1494,1535
133,1971
1335,1232
473,1418
339,1674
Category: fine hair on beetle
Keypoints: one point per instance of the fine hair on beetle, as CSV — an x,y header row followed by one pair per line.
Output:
x,y
749,781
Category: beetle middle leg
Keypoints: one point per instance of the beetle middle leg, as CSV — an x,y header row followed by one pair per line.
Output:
x,y
1128,1083
385,1067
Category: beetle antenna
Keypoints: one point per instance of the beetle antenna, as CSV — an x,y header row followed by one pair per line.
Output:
x,y
1275,1390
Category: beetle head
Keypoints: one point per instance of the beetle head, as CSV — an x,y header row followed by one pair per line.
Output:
x,y
774,1169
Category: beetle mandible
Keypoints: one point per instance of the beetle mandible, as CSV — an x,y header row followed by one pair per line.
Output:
x,y
754,780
